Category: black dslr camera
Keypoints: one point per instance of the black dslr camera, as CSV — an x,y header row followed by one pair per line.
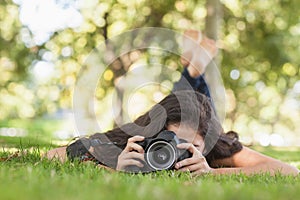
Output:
x,y
161,152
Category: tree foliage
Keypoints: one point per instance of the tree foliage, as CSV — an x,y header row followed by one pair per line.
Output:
x,y
259,59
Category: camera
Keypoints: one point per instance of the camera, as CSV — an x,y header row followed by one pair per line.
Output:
x,y
161,152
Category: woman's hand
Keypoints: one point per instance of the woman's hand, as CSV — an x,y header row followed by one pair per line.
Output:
x,y
197,164
131,154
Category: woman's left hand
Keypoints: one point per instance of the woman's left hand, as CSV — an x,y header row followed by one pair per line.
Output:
x,y
197,164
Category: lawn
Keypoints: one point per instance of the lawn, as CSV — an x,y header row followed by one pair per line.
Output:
x,y
26,176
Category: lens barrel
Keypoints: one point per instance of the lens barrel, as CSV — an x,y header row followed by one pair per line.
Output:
x,y
161,155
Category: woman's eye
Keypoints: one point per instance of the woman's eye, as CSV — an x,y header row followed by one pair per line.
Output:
x,y
196,145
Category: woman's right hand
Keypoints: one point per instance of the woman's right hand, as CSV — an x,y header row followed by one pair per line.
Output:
x,y
133,154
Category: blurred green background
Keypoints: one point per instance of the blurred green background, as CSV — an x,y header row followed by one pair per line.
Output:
x,y
43,45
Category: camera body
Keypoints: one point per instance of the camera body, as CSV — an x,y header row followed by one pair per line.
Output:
x,y
161,152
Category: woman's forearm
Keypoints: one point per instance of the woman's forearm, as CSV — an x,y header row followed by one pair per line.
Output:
x,y
271,167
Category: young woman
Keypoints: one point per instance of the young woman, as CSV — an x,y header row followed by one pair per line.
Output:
x,y
190,115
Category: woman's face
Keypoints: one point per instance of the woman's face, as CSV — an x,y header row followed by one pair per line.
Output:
x,y
183,131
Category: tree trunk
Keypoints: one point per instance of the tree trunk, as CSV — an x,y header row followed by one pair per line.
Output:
x,y
213,75
213,18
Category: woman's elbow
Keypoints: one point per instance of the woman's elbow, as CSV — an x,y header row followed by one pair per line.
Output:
x,y
278,167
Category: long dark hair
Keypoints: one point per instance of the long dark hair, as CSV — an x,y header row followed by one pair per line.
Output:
x,y
185,106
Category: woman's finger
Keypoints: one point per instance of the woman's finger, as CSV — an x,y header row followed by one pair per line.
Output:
x,y
136,138
129,158
190,147
133,155
190,161
132,162
128,162
133,146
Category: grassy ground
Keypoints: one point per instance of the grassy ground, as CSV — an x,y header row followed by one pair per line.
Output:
x,y
27,176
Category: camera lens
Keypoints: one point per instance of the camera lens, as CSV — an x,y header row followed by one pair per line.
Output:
x,y
161,155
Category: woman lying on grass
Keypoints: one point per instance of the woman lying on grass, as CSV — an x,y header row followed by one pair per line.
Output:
x,y
189,113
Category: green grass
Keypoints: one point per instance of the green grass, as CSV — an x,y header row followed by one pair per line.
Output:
x,y
39,133
24,142
35,127
27,176
286,154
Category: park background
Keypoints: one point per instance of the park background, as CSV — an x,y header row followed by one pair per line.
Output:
x,y
44,44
